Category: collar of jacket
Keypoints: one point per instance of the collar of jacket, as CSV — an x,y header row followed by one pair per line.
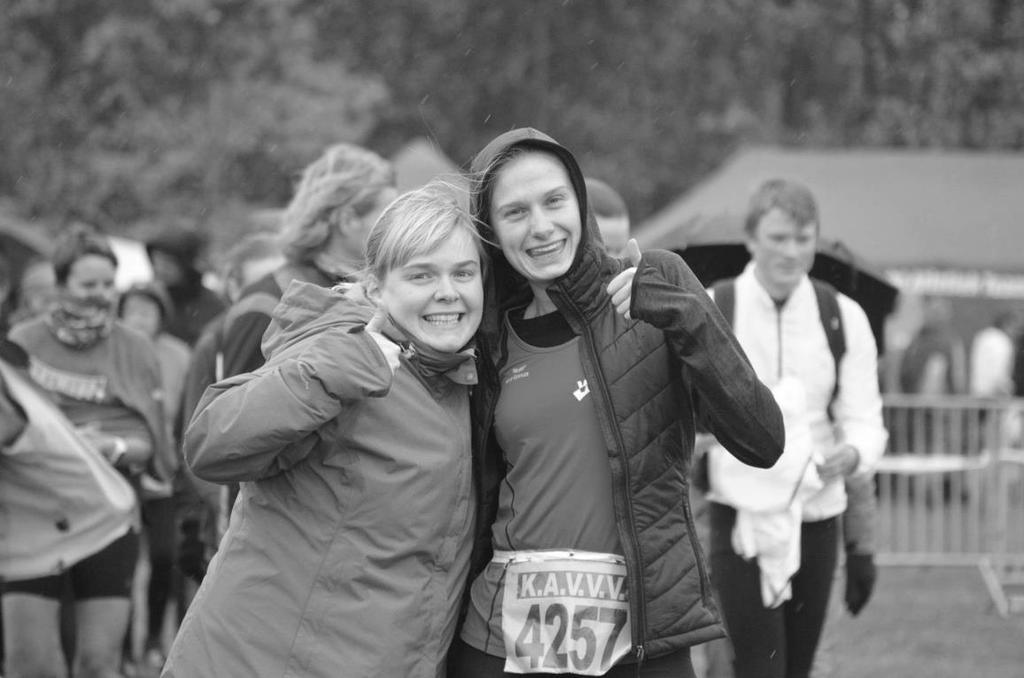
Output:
x,y
458,367
801,294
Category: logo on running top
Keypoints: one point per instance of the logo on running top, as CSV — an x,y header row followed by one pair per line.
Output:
x,y
582,390
517,372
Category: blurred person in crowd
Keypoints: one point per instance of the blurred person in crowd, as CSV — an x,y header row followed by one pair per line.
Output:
x,y
174,254
775,533
934,361
6,290
323,229
105,377
66,511
349,546
146,307
992,356
337,200
1018,366
611,214
34,292
585,414
248,261
253,257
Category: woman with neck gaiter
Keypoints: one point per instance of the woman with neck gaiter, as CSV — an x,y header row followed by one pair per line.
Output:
x,y
348,547
105,377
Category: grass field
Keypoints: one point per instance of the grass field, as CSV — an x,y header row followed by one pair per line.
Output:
x,y
924,622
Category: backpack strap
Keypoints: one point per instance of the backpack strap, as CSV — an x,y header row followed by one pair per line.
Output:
x,y
725,298
832,322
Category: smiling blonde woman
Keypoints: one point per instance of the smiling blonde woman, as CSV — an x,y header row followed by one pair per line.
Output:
x,y
348,548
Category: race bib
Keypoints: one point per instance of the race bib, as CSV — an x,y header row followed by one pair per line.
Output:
x,y
565,612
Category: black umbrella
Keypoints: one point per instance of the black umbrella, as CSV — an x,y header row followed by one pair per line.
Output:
x,y
716,249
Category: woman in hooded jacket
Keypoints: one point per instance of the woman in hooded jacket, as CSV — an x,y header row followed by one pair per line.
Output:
x,y
592,370
348,547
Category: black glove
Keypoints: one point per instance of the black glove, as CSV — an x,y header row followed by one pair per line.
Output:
x,y
192,551
861,574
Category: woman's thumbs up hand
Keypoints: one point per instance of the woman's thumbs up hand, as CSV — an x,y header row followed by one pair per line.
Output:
x,y
621,286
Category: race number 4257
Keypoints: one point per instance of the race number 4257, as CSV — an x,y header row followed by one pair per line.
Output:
x,y
581,638
565,614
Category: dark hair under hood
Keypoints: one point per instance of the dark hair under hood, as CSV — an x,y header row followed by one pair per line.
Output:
x,y
505,287
153,290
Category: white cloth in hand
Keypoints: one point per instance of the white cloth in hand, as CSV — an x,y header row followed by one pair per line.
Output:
x,y
769,502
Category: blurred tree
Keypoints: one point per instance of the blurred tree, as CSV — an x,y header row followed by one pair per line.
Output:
x,y
630,86
119,111
654,94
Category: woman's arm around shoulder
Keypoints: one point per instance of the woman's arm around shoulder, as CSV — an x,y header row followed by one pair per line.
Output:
x,y
243,423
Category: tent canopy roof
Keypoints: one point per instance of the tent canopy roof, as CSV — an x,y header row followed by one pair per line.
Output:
x,y
895,208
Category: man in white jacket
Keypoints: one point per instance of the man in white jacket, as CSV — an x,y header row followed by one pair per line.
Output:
x,y
778,323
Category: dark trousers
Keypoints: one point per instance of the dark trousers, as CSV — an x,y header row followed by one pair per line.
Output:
x,y
469,662
160,519
778,642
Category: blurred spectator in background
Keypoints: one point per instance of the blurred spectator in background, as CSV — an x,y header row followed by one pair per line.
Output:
x,y
256,255
934,362
611,214
1018,366
34,292
249,260
146,307
323,229
174,254
338,199
992,356
105,378
66,513
775,533
6,437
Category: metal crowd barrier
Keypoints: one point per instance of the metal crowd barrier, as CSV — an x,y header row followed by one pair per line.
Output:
x,y
951,489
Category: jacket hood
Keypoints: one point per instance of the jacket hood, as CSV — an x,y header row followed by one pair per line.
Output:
x,y
506,286
306,309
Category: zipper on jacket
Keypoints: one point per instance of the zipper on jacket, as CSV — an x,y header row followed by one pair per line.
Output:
x,y
636,593
778,335
641,655
698,550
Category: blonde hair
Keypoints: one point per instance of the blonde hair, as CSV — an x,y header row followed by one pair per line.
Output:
x,y
344,182
417,223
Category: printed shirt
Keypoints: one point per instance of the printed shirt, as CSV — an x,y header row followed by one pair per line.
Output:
x,y
547,425
85,398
